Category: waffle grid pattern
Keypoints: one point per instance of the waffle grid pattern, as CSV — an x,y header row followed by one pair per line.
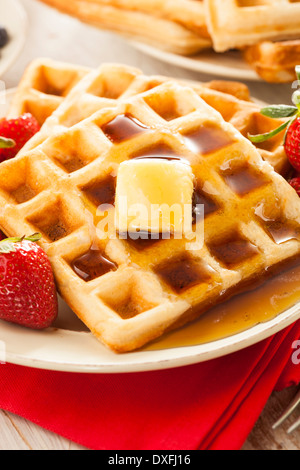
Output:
x,y
44,86
141,298
111,83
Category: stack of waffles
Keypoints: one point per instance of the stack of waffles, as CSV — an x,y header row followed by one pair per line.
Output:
x,y
131,291
267,32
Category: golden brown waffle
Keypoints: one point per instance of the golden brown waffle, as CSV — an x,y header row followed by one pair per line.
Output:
x,y
44,86
275,62
160,32
189,13
238,23
110,83
127,292
97,89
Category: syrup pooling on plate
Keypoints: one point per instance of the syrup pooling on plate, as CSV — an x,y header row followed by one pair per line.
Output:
x,y
92,265
123,127
263,303
207,139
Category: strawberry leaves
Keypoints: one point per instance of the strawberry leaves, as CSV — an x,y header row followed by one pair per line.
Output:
x,y
280,111
264,137
7,143
8,244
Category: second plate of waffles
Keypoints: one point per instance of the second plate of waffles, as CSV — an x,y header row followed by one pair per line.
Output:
x,y
116,120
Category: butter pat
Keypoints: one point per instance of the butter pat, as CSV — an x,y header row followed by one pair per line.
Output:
x,y
154,195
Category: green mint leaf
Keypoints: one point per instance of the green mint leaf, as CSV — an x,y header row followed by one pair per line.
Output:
x,y
6,143
279,111
264,137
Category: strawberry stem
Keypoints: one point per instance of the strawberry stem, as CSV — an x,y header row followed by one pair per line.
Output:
x,y
7,143
298,72
7,245
264,137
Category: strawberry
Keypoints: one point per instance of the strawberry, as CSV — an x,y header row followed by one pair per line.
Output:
x,y
27,290
295,183
14,133
292,143
291,126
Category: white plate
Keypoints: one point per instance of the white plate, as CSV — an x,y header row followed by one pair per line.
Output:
x,y
70,347
13,17
226,65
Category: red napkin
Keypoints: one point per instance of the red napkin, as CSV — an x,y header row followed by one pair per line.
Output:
x,y
213,405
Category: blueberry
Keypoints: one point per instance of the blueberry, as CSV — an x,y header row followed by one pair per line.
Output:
x,y
3,37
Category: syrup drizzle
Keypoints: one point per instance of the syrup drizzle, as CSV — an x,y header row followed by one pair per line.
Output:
x,y
243,180
123,127
281,232
207,139
159,150
92,265
279,229
201,198
233,250
102,192
184,273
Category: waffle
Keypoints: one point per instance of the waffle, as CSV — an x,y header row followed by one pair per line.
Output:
x,y
274,62
189,13
159,32
130,292
238,23
99,88
43,88
106,85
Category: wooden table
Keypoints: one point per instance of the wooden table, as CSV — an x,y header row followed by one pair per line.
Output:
x,y
57,36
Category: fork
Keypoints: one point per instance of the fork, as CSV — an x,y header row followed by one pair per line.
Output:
x,y
289,410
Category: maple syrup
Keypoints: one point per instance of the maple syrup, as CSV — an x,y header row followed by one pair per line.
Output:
x,y
159,150
123,127
102,192
92,265
277,227
201,198
144,240
244,179
281,232
207,139
184,273
233,250
262,303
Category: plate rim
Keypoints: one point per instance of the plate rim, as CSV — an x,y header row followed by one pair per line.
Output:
x,y
19,41
189,63
141,361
